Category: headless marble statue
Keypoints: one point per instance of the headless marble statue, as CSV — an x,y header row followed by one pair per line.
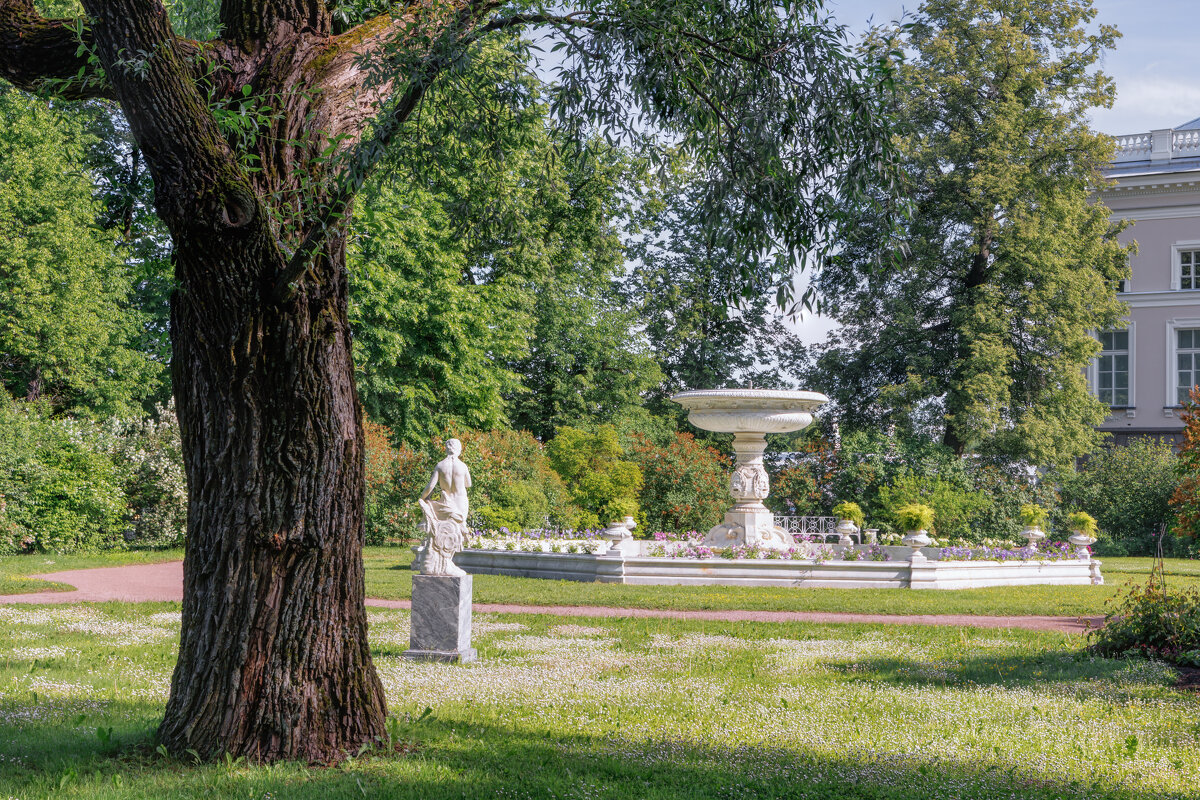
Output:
x,y
446,518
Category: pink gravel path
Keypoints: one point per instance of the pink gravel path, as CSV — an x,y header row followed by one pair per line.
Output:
x,y
141,583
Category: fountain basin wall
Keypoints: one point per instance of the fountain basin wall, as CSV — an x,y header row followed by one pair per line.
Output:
x,y
645,570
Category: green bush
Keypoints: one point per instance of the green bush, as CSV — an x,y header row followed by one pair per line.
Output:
x,y
514,481
1034,516
63,492
1128,490
1083,522
953,502
601,482
518,506
850,511
685,484
1153,621
395,477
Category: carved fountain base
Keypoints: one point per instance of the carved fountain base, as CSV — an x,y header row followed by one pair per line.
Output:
x,y
749,522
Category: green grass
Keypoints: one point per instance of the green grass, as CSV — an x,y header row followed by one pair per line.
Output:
x,y
634,708
389,577
18,573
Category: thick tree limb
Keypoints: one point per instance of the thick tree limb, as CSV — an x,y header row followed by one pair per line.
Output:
x,y
197,178
447,33
38,53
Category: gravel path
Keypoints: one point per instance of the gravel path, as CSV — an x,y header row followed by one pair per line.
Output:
x,y
141,583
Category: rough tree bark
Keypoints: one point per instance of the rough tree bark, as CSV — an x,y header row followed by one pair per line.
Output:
x,y
273,661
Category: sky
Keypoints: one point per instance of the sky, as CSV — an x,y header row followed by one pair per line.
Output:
x,y
1154,64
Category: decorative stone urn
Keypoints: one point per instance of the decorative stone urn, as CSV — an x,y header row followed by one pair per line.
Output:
x,y
1082,541
845,530
619,535
1034,534
916,540
750,414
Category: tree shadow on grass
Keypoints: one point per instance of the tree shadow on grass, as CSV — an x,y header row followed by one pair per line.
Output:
x,y
1131,676
457,758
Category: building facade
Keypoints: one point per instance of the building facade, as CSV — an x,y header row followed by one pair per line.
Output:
x,y
1145,371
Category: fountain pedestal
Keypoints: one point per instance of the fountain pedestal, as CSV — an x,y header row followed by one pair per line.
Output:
x,y
749,414
749,522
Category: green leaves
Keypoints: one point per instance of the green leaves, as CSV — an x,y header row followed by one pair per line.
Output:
x,y
66,332
975,315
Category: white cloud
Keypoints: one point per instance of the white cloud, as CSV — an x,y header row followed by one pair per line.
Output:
x,y
1148,102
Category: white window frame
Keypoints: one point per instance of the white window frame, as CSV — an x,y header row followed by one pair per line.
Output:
x,y
1093,370
1172,348
1176,249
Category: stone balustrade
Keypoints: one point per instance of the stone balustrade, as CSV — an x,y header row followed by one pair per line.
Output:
x,y
1157,146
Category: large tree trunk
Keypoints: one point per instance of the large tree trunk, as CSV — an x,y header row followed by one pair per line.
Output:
x,y
273,660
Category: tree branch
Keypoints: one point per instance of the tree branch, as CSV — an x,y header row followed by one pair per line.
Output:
x,y
38,53
199,183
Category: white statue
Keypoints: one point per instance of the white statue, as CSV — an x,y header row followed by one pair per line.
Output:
x,y
446,519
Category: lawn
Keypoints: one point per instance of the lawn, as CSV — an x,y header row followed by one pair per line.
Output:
x,y
389,577
15,571
628,709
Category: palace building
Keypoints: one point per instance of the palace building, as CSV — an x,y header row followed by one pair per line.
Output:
x,y
1145,371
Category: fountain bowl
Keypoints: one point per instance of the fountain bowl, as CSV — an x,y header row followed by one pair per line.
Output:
x,y
753,411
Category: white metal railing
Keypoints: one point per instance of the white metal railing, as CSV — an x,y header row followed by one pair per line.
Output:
x,y
1160,145
807,526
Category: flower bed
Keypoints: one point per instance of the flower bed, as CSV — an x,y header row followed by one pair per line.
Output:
x,y
1057,551
526,544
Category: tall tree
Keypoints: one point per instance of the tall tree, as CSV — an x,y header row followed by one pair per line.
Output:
x,y
257,143
981,305
708,324
483,282
67,333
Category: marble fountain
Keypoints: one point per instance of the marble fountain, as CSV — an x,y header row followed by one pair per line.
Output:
x,y
750,414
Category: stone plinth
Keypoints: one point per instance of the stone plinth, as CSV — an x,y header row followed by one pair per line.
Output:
x,y
441,619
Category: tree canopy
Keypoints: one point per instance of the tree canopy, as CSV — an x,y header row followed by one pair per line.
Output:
x,y
67,332
977,313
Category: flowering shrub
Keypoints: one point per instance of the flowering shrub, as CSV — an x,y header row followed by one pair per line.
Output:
x,y
685,536
896,539
821,553
877,553
681,550
531,544
686,483
853,554
76,485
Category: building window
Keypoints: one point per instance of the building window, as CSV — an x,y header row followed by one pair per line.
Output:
x,y
1112,371
1187,362
1189,269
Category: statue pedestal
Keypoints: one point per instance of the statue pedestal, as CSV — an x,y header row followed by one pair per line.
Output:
x,y
441,619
